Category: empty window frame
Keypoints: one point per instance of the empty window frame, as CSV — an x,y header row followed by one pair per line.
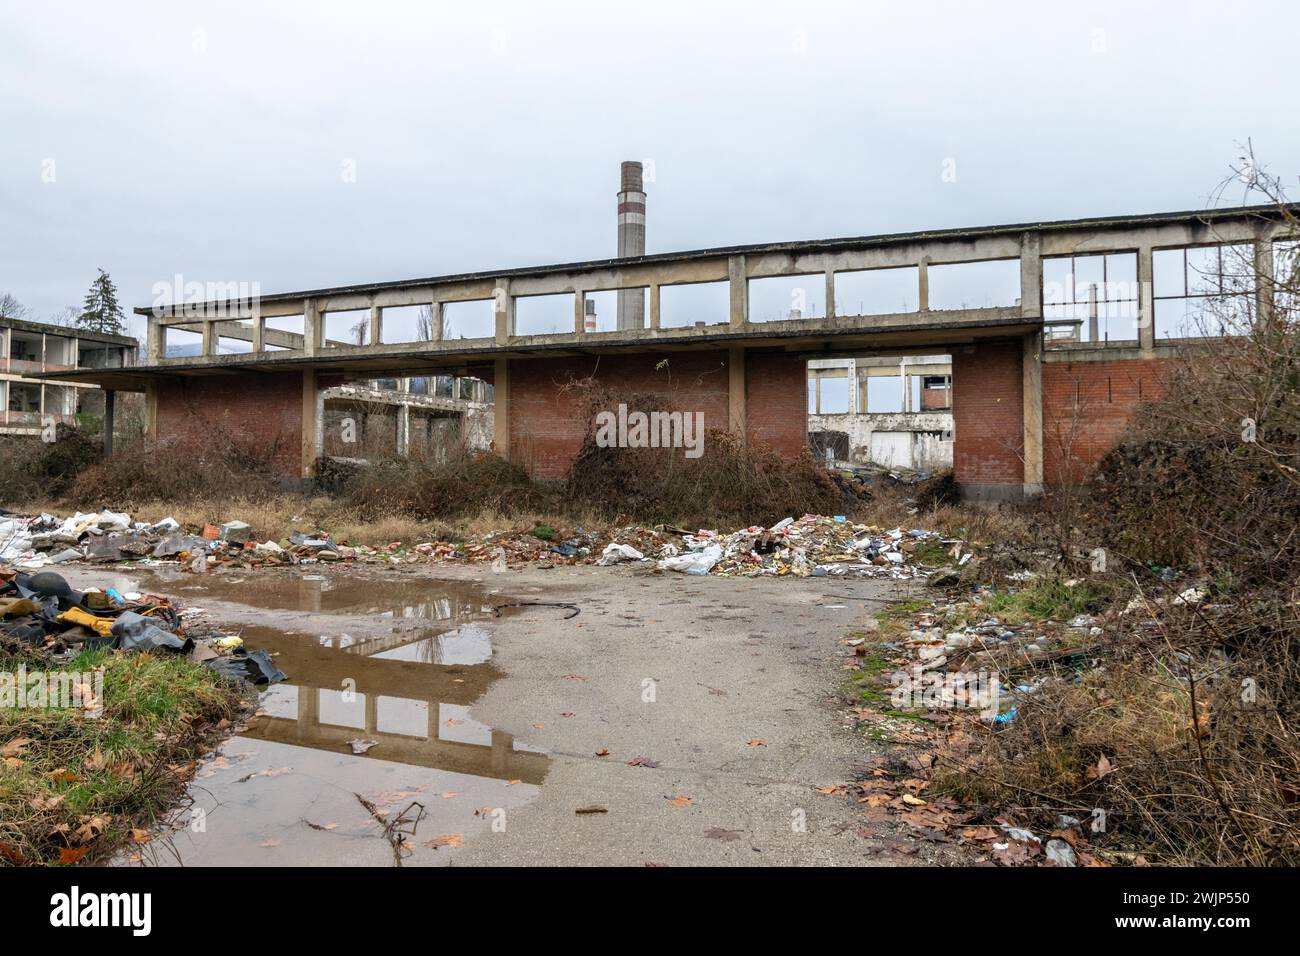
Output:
x,y
1091,298
1203,291
183,342
544,314
694,303
987,284
601,308
471,319
351,327
774,298
936,393
406,323
291,339
1286,278
828,391
878,291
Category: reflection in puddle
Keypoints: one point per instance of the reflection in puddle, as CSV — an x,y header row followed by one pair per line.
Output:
x,y
285,790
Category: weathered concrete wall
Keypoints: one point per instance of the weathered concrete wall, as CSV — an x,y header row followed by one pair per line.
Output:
x,y
1086,408
929,450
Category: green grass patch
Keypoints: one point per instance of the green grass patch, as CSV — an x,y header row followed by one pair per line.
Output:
x,y
73,786
544,533
1044,600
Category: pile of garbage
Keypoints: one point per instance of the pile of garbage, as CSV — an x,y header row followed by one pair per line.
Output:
x,y
31,543
810,546
43,612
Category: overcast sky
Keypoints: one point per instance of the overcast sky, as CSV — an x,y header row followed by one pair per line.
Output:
x,y
318,144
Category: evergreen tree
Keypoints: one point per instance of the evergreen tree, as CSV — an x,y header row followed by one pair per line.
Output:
x,y
101,312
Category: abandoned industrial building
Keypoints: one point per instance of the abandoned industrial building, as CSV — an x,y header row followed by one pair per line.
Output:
x,y
967,348
30,348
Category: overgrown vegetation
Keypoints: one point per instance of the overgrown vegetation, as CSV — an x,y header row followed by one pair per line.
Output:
x,y
1182,730
75,787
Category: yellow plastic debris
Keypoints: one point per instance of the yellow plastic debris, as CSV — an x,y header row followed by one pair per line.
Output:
x,y
102,626
229,643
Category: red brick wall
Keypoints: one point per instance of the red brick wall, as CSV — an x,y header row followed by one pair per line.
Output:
x,y
261,411
988,414
548,423
1086,408
776,401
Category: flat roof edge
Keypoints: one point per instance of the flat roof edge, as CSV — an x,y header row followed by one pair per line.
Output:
x,y
1267,211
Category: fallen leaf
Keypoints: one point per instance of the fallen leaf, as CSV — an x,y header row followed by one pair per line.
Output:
x,y
1103,767
446,839
757,743
912,801
69,856
602,752
511,783
594,808
15,747
643,762
833,790
680,801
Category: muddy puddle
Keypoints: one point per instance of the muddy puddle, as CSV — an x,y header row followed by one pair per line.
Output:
x,y
396,663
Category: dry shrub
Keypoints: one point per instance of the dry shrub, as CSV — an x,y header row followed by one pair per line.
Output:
x,y
733,483
1193,703
224,466
31,469
462,481
1181,739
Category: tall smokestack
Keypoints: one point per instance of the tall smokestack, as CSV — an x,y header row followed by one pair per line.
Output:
x,y
631,241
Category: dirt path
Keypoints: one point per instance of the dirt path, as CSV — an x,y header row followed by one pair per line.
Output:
x,y
685,672
728,689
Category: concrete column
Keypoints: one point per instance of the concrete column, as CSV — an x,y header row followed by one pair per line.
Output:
x,y
1146,301
739,291
923,284
853,386
1031,275
259,327
155,341
311,423
1031,387
151,411
830,293
501,409
403,429
435,321
1265,280
209,333
311,324
376,325
579,311
736,391
654,306
504,304
110,402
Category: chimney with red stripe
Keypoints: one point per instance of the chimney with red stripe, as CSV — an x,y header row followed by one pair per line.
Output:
x,y
631,242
